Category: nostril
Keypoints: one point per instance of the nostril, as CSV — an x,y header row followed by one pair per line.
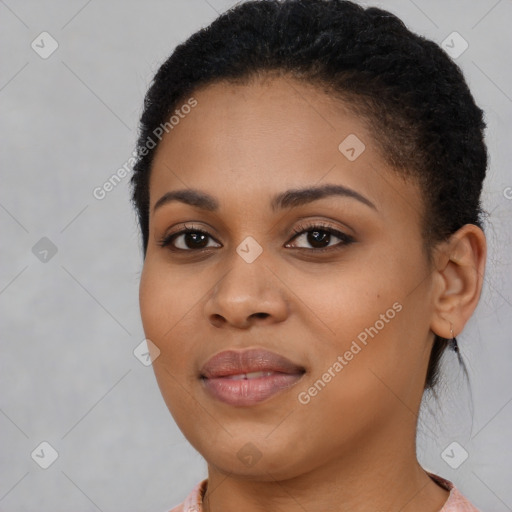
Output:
x,y
217,320
260,315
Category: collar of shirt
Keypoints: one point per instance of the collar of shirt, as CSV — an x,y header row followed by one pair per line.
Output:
x,y
456,502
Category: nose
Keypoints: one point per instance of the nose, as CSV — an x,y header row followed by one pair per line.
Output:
x,y
248,293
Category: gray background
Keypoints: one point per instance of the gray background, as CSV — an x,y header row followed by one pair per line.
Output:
x,y
70,323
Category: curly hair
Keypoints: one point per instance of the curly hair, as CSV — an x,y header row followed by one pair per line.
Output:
x,y
412,96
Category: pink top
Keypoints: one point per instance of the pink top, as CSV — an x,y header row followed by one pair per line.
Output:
x,y
456,502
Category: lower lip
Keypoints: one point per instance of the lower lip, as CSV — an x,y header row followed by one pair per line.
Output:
x,y
245,392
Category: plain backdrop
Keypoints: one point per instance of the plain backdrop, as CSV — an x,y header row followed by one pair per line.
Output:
x,y
70,263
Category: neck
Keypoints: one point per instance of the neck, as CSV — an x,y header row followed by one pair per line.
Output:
x,y
379,475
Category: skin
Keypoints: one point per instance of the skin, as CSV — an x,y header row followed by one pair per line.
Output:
x,y
352,447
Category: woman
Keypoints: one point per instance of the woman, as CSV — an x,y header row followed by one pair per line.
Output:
x,y
308,188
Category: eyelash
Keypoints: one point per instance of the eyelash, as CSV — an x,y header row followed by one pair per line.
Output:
x,y
345,239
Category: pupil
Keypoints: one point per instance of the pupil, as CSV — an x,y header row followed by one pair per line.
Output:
x,y
319,238
198,239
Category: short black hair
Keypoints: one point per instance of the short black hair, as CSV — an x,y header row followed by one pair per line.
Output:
x,y
413,97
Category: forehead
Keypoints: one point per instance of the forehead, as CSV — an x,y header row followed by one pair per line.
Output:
x,y
271,134
279,112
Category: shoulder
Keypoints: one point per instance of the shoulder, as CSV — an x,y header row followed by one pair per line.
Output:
x,y
193,502
456,501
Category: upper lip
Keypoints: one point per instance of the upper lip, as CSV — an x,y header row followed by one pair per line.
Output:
x,y
235,362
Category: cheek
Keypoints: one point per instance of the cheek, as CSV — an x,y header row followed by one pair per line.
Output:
x,y
171,302
163,303
152,307
351,298
365,315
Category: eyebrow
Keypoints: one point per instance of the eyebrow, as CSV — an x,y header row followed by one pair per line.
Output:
x,y
288,199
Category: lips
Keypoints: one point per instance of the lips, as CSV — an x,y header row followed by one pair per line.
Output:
x,y
248,377
232,362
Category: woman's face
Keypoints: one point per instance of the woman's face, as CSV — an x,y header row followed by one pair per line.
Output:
x,y
350,310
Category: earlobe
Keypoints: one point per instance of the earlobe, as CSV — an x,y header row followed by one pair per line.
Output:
x,y
460,266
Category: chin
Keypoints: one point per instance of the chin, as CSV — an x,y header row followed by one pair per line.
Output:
x,y
258,461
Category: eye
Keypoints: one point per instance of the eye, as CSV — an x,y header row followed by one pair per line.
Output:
x,y
187,240
320,237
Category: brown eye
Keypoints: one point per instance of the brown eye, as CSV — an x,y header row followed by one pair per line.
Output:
x,y
187,240
320,237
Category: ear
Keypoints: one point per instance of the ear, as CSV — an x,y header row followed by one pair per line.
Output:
x,y
458,279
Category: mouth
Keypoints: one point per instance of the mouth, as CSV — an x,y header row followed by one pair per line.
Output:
x,y
245,378
249,376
